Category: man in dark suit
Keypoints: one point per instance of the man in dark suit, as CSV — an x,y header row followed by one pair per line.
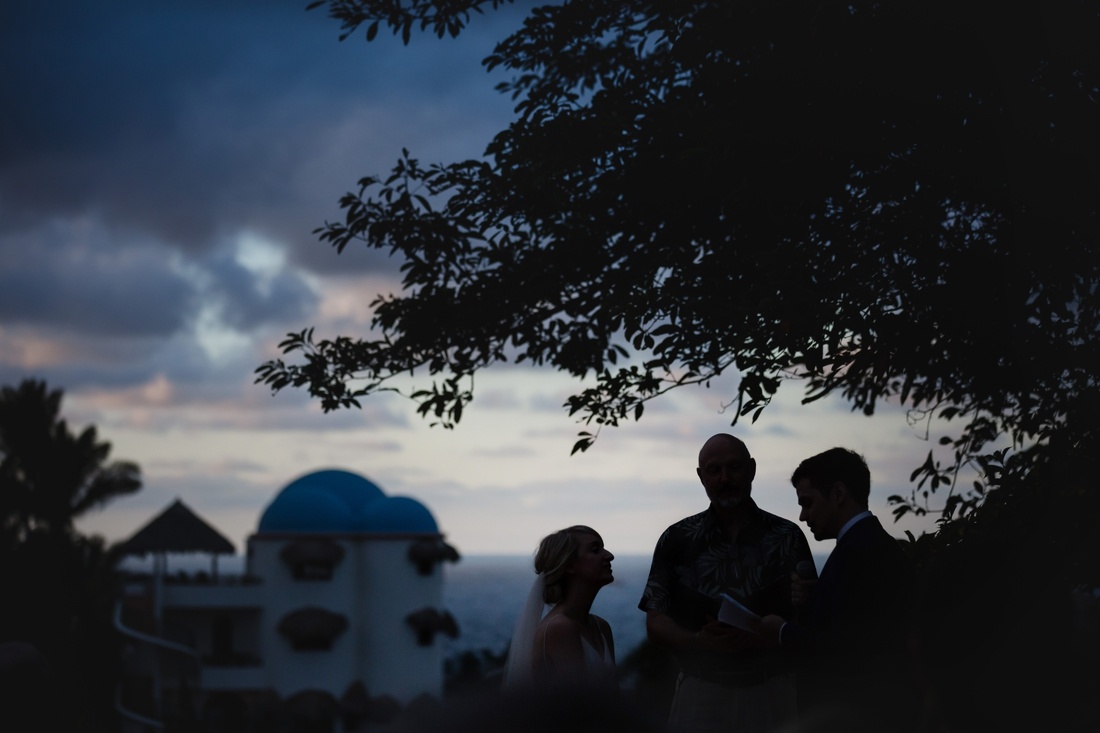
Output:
x,y
853,638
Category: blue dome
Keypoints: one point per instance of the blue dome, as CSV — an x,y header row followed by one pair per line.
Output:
x,y
303,511
399,514
349,487
322,501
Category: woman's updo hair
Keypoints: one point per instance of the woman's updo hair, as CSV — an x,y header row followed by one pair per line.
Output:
x,y
553,556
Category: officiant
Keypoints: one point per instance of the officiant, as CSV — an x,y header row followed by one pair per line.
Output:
x,y
728,678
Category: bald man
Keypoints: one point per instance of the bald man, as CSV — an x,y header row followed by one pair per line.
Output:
x,y
729,679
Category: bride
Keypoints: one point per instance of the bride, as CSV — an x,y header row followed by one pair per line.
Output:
x,y
569,642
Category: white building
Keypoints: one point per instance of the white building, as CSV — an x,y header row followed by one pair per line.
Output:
x,y
334,624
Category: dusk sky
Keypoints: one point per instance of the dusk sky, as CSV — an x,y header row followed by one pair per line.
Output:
x,y
162,167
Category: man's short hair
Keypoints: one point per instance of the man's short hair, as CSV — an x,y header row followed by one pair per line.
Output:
x,y
836,464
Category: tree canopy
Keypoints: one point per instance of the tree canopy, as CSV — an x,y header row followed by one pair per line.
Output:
x,y
886,201
58,585
50,476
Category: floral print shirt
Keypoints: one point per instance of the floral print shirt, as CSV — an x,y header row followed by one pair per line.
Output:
x,y
695,560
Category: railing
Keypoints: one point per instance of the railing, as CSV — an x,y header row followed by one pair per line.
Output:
x,y
149,638
131,715
152,640
197,577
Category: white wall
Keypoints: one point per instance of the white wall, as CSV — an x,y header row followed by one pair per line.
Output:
x,y
375,586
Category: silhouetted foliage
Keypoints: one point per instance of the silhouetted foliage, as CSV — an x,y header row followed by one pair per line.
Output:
x,y
57,584
48,475
472,671
884,201
653,671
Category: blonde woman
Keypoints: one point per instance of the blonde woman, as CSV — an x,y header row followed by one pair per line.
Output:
x,y
569,642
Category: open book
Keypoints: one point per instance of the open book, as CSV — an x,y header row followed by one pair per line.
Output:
x,y
734,613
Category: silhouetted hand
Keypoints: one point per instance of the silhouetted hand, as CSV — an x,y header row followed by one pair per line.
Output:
x,y
770,627
719,637
801,590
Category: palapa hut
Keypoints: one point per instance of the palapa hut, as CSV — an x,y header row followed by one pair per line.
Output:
x,y
337,616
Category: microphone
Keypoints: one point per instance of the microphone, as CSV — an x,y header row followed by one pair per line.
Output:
x,y
806,570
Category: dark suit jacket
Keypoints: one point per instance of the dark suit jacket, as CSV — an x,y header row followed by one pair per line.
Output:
x,y
854,643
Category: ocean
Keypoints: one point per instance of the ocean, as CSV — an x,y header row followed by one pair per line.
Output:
x,y
485,593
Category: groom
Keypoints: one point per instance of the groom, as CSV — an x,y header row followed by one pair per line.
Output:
x,y
853,644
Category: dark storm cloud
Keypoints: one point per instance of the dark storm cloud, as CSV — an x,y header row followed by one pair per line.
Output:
x,y
78,279
169,118
72,277
245,301
141,143
183,119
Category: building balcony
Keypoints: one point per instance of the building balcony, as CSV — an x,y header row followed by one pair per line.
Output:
x,y
212,595
234,678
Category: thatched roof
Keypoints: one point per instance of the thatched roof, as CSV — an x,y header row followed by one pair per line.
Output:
x,y
177,529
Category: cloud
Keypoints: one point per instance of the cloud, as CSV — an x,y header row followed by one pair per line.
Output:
x,y
143,143
184,120
74,274
244,301
162,167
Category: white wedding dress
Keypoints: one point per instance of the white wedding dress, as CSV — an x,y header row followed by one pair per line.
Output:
x,y
519,667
